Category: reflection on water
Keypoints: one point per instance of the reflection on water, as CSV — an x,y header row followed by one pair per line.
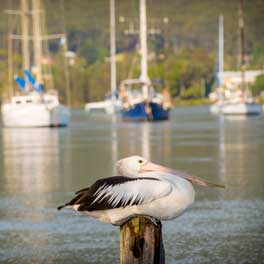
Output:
x,y
145,141
240,155
114,142
29,158
41,168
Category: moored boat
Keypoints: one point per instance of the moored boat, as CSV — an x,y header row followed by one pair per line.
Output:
x,y
136,107
233,97
31,106
143,104
35,110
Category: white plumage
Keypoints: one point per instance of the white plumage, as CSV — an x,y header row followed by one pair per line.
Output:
x,y
144,188
143,191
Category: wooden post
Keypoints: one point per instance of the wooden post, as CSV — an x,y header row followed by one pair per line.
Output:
x,y
141,242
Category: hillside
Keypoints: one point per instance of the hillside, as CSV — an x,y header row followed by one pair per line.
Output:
x,y
192,25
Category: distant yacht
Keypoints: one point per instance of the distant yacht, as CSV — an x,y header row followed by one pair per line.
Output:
x,y
31,106
233,98
143,104
110,105
236,103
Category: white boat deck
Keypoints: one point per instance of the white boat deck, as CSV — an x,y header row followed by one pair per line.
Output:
x,y
108,106
35,110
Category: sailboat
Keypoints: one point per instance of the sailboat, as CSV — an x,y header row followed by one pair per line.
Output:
x,y
111,104
235,99
144,104
31,106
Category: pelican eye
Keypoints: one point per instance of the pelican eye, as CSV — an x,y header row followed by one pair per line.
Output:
x,y
140,161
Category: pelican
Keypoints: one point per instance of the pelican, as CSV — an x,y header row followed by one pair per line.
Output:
x,y
142,188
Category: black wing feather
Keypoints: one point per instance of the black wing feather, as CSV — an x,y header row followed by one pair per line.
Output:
x,y
82,190
85,198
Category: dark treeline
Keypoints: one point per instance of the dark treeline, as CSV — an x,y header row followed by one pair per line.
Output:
x,y
182,52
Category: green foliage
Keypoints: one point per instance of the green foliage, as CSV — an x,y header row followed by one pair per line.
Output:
x,y
188,69
195,101
17,63
258,55
77,79
92,53
194,91
187,64
258,86
98,81
3,71
191,24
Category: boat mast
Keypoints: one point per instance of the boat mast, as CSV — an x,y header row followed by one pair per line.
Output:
x,y
143,45
10,63
25,33
242,43
113,50
37,43
65,49
220,50
24,16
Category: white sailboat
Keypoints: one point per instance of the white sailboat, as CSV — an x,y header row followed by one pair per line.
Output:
x,y
34,110
32,107
234,99
236,107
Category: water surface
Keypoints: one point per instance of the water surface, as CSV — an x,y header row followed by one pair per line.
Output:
x,y
41,168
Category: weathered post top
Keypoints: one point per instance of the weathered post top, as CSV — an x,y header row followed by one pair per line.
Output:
x,y
141,242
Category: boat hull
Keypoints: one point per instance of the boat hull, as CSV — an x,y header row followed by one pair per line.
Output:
x,y
35,115
107,106
146,112
237,109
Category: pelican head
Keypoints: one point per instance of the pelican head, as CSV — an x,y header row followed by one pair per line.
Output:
x,y
130,166
135,165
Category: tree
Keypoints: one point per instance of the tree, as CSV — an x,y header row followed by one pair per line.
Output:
x,y
189,69
258,86
92,53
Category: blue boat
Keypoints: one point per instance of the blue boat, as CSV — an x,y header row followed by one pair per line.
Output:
x,y
139,113
143,104
146,112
